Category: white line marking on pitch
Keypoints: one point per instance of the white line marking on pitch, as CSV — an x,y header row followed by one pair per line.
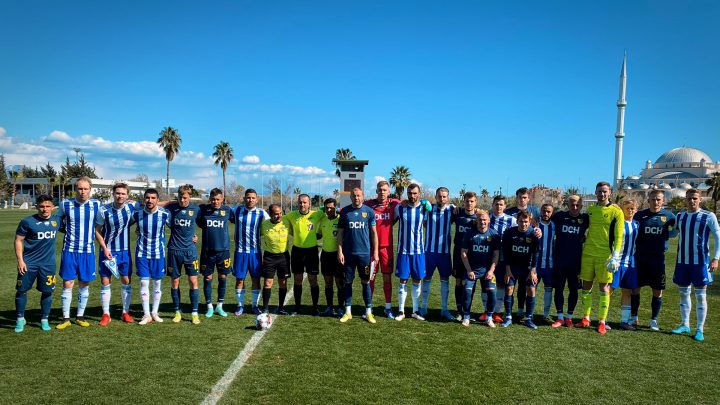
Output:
x,y
223,384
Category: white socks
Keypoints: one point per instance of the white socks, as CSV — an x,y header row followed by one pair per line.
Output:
x,y
66,299
83,294
105,293
415,295
157,294
701,298
402,295
685,305
125,294
145,295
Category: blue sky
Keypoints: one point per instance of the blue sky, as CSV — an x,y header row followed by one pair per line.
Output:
x,y
486,94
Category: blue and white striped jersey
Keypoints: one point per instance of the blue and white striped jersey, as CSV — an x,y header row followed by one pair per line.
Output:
x,y
693,244
546,248
247,228
151,232
501,223
410,229
437,229
79,223
115,223
627,258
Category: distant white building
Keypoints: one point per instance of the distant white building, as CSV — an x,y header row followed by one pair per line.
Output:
x,y
675,171
28,189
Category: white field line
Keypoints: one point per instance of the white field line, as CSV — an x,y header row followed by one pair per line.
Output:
x,y
218,390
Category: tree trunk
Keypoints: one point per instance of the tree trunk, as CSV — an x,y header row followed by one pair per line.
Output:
x,y
167,178
224,189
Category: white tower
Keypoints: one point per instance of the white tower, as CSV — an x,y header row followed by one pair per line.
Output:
x,y
620,130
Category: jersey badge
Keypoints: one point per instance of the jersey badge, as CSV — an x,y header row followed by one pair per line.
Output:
x,y
190,213
53,223
579,221
222,213
663,218
364,214
527,240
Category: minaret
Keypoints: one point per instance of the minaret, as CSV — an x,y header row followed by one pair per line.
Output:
x,y
620,130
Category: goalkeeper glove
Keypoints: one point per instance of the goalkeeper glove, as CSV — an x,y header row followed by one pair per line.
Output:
x,y
425,203
613,263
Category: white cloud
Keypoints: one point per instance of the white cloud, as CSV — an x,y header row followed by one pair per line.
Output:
x,y
2,132
251,159
378,179
58,136
416,181
281,168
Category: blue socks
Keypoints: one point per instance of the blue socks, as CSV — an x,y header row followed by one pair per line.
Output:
x,y
490,302
222,287
656,304
367,295
508,305
529,307
207,291
175,294
194,298
20,303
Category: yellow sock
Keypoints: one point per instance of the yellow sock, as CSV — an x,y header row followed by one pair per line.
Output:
x,y
604,302
587,302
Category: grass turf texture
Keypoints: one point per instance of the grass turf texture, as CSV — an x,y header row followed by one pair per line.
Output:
x,y
305,359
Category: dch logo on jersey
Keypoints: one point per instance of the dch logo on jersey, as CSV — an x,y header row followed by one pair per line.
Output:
x,y
182,222
571,229
654,230
215,223
481,248
520,249
356,225
462,229
383,216
46,235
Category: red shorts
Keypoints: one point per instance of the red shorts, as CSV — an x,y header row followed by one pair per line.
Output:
x,y
386,259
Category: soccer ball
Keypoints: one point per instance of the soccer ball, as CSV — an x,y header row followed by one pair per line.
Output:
x,y
263,321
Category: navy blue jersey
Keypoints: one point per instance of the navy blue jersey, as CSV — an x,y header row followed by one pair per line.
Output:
x,y
463,223
569,237
654,230
355,223
437,229
182,227
214,224
480,247
520,248
534,211
39,243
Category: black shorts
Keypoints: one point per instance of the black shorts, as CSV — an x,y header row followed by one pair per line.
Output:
x,y
651,271
330,266
305,260
566,273
275,263
458,267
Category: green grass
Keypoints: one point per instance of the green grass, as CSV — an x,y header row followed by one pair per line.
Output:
x,y
318,360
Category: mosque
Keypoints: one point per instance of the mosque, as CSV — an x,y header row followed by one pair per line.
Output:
x,y
674,171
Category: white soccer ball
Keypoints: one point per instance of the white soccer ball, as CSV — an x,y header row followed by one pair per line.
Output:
x,y
263,321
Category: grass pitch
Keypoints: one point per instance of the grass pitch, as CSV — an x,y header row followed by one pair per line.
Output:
x,y
303,359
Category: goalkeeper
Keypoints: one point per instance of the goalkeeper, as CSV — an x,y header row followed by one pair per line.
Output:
x,y
601,254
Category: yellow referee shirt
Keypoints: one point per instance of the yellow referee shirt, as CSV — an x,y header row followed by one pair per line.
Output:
x,y
274,236
303,228
328,230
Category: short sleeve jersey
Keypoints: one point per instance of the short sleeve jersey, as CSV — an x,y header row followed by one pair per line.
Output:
x,y
214,224
356,223
605,229
569,237
654,230
500,223
410,229
534,211
115,223
328,230
247,228
694,241
182,228
303,228
627,257
463,223
520,248
39,243
79,222
151,233
438,224
384,219
547,245
480,247
274,236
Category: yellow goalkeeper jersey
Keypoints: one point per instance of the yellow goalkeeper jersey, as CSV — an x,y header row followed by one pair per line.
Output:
x,y
605,232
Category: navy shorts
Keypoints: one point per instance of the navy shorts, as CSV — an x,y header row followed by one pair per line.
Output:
x,y
521,276
410,266
246,261
305,260
44,275
480,276
330,266
152,268
211,259
651,271
695,274
176,259
123,260
441,261
500,274
359,262
625,277
77,265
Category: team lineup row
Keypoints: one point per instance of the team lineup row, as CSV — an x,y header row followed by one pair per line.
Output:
x,y
503,250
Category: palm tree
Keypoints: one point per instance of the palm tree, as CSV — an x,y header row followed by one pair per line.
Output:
x,y
714,190
223,156
399,179
169,141
342,154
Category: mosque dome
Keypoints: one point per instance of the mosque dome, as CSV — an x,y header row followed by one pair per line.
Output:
x,y
683,155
